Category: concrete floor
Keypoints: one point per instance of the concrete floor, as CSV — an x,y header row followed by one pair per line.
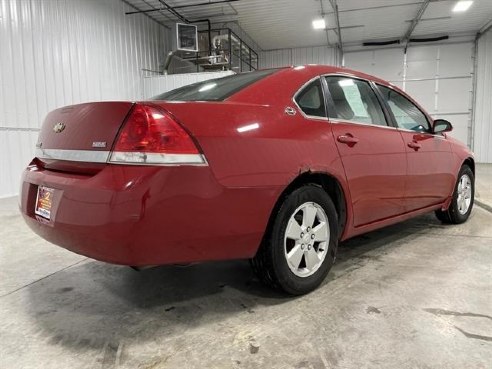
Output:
x,y
414,295
483,186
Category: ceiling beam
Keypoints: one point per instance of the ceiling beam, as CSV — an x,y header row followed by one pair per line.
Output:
x,y
171,10
326,29
415,21
378,7
204,3
334,5
183,6
487,26
149,16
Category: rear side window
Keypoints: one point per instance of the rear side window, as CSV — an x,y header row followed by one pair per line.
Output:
x,y
311,101
354,100
214,89
406,113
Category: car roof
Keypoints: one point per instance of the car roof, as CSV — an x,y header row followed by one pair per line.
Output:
x,y
319,69
286,81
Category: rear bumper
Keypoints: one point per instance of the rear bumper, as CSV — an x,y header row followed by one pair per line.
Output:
x,y
137,215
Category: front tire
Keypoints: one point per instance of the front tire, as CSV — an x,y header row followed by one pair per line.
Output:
x,y
299,250
463,197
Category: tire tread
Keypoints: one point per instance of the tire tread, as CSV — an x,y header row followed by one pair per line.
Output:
x,y
451,215
263,262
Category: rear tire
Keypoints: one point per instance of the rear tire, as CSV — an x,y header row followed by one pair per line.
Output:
x,y
463,197
299,250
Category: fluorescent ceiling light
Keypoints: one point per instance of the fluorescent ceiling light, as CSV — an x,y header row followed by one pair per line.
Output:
x,y
462,5
319,24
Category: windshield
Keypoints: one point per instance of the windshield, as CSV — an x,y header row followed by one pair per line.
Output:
x,y
214,89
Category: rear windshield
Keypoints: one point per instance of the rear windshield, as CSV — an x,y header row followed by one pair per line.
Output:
x,y
214,89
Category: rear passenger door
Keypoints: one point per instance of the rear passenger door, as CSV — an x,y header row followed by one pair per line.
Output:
x,y
372,152
430,177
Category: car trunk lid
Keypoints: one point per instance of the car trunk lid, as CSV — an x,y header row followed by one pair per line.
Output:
x,y
77,137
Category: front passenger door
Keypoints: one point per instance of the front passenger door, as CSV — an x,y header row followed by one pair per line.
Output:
x,y
430,177
372,153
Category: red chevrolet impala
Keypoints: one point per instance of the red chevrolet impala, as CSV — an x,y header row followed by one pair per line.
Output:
x,y
276,166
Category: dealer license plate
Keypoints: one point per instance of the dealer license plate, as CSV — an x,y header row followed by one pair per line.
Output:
x,y
44,201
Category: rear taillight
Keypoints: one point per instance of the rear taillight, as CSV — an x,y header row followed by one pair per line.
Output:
x,y
151,136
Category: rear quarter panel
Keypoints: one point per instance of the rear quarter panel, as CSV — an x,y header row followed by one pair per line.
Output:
x,y
258,145
275,150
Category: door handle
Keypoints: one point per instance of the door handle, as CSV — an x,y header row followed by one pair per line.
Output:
x,y
414,145
348,139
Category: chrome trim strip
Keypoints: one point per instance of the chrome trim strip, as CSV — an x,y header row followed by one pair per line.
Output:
x,y
435,135
337,120
341,121
451,113
314,117
90,156
142,158
125,158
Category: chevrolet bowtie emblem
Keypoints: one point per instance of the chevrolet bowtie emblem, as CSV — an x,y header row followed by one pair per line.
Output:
x,y
59,127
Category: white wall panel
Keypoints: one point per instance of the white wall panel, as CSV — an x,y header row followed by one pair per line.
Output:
x,y
59,52
384,63
388,71
482,138
454,95
297,56
360,60
439,77
454,60
275,58
157,85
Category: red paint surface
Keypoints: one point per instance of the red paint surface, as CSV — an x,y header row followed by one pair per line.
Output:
x,y
141,215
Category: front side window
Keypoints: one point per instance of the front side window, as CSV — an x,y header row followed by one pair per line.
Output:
x,y
354,100
310,100
407,115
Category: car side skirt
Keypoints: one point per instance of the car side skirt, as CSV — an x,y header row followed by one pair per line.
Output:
x,y
393,220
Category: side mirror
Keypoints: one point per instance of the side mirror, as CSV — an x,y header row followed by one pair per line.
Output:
x,y
441,126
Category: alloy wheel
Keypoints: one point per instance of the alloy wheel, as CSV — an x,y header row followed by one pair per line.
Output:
x,y
306,239
464,194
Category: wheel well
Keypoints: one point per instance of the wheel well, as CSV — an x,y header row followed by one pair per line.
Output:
x,y
471,163
329,183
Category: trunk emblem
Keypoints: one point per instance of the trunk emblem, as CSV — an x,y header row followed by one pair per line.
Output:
x,y
59,127
99,144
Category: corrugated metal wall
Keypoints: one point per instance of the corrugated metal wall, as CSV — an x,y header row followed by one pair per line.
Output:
x,y
157,85
297,56
482,138
59,52
439,77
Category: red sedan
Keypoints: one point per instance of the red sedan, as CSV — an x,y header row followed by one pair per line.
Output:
x,y
276,166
